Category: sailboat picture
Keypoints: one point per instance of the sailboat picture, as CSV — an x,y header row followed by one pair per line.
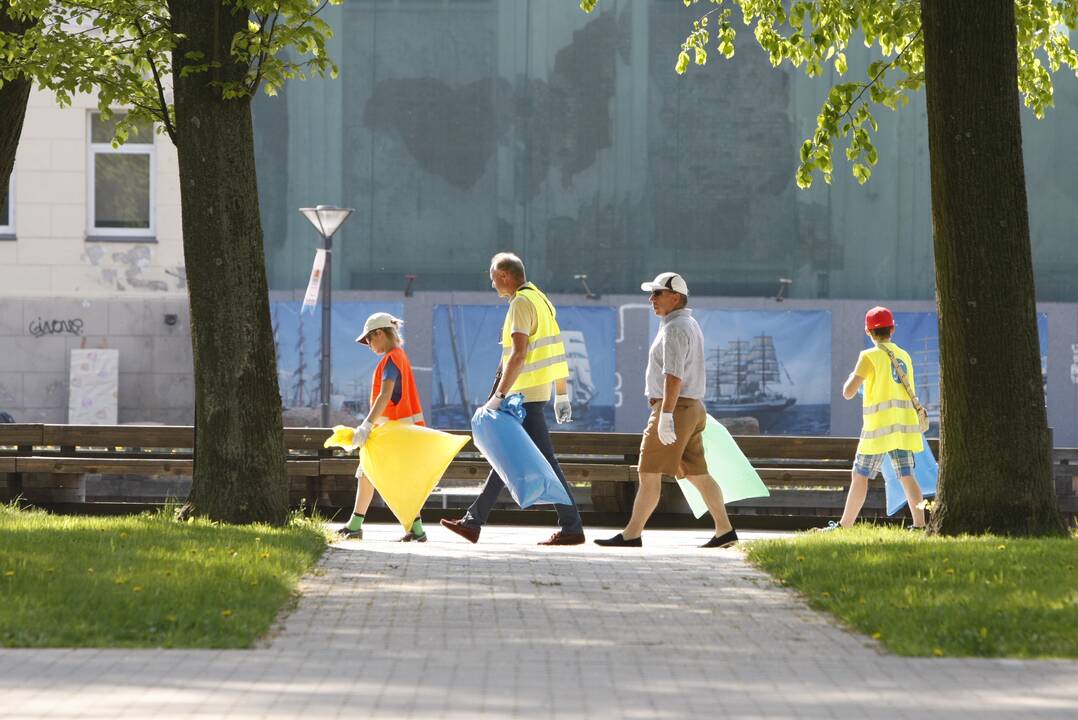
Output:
x,y
467,351
772,366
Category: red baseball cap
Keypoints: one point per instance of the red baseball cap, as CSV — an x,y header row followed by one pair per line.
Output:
x,y
879,317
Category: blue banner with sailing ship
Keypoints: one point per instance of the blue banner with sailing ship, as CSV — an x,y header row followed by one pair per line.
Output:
x,y
769,365
918,334
298,340
467,351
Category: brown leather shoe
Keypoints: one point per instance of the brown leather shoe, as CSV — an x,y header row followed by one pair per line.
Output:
x,y
561,538
471,534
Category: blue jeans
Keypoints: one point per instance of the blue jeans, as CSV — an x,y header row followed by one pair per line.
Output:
x,y
535,426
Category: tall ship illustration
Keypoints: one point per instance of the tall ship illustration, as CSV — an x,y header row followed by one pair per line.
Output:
x,y
581,386
925,353
740,377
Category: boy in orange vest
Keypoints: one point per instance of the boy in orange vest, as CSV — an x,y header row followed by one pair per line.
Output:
x,y
393,398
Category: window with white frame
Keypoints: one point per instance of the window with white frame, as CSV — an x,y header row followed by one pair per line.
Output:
x,y
7,214
121,180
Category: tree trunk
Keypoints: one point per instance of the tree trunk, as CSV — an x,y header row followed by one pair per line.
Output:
x,y
14,94
239,471
995,471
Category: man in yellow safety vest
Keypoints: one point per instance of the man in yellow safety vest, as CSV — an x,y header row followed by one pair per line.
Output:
x,y
533,360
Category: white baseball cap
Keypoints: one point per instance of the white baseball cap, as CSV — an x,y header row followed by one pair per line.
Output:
x,y
377,321
667,281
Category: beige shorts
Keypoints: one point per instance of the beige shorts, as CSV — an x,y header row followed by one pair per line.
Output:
x,y
684,456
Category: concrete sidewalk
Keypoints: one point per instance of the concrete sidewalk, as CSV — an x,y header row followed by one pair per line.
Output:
x,y
508,629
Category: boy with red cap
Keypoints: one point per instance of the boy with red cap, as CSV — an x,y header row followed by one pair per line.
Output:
x,y
891,424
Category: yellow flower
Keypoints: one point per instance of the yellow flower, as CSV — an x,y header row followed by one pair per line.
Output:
x,y
226,613
876,635
937,652
264,555
9,573
1001,547
136,588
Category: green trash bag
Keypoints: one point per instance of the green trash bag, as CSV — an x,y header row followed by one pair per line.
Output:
x,y
726,463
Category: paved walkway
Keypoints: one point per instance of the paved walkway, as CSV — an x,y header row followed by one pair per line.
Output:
x,y
507,629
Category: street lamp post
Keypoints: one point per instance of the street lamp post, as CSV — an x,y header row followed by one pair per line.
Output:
x,y
327,219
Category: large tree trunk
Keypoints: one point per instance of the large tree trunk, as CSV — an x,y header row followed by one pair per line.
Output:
x,y
14,94
240,471
995,474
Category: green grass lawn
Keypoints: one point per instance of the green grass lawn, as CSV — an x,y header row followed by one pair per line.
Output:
x,y
145,581
969,596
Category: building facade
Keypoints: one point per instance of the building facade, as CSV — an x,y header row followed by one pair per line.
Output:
x,y
459,128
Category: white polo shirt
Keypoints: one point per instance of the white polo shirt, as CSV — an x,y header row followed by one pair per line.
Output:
x,y
678,350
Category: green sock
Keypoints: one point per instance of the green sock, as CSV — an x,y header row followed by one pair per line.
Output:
x,y
356,522
417,527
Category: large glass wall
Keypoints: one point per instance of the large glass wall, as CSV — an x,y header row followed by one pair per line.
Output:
x,y
458,128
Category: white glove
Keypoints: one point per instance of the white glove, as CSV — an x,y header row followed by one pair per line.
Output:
x,y
493,403
667,436
563,409
360,435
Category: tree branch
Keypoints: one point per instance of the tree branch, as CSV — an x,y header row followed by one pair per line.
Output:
x,y
166,118
882,70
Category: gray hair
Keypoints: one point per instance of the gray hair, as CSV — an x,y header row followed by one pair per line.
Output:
x,y
510,263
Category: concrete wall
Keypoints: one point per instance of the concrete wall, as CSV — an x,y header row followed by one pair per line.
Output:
x,y
37,334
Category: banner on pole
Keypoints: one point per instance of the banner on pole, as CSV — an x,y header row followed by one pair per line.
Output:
x,y
315,283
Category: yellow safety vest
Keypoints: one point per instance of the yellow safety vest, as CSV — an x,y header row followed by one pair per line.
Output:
x,y
890,419
545,361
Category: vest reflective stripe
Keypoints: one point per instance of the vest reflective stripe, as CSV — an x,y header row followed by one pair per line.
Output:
x,y
542,342
550,361
889,419
888,404
545,359
408,410
413,420
881,432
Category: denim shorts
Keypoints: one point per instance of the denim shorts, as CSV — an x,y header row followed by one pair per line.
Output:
x,y
869,465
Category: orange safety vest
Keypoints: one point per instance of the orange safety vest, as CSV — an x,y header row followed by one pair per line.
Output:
x,y
408,410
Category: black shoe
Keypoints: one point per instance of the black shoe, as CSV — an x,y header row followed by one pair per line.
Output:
x,y
412,537
721,541
620,541
345,534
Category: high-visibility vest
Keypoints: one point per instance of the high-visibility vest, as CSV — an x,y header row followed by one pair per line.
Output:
x,y
889,416
545,361
408,410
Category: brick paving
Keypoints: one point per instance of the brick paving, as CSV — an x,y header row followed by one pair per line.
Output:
x,y
506,629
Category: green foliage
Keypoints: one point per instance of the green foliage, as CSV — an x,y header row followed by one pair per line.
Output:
x,y
978,596
146,581
122,49
814,34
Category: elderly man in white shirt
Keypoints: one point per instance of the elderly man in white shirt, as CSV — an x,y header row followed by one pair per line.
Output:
x,y
672,444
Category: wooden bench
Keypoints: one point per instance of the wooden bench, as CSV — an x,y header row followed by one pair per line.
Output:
x,y
806,475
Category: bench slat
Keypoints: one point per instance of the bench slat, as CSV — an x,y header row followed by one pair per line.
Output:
x,y
21,433
129,466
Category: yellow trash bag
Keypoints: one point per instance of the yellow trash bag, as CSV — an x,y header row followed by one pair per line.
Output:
x,y
342,437
405,462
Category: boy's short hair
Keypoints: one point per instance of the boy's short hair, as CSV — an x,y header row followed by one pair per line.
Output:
x,y
510,263
883,333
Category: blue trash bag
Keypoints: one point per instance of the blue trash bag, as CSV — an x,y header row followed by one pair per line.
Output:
x,y
500,436
925,472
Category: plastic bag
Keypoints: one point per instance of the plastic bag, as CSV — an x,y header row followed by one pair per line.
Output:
x,y
728,466
342,437
501,437
404,462
925,472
